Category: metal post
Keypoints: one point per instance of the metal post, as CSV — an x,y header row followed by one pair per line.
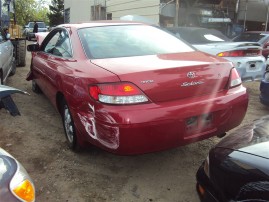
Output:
x,y
266,17
177,13
245,18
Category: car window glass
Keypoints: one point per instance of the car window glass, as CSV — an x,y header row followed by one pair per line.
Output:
x,y
59,45
211,37
129,40
253,37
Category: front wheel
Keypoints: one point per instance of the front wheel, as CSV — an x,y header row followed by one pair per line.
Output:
x,y
69,127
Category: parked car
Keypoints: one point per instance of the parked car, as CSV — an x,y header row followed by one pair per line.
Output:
x,y
119,87
28,31
7,59
255,36
237,168
246,56
264,86
16,185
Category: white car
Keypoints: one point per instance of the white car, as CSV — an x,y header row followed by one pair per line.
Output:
x,y
7,59
246,56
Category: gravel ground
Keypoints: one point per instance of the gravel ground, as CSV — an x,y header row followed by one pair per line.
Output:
x,y
37,140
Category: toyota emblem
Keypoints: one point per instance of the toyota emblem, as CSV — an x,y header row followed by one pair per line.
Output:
x,y
191,75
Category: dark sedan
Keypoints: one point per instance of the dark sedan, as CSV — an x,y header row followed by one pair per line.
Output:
x,y
237,169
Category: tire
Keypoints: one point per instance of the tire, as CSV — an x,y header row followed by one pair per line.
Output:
x,y
69,127
35,87
21,53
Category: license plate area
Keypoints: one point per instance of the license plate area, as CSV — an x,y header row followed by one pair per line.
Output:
x,y
253,66
199,123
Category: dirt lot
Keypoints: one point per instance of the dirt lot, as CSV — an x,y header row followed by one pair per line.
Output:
x,y
37,140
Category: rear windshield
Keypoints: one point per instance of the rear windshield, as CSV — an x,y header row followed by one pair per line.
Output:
x,y
253,37
129,40
40,24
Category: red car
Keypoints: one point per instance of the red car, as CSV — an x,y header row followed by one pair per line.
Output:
x,y
132,88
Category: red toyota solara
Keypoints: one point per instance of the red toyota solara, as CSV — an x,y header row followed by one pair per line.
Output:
x,y
132,88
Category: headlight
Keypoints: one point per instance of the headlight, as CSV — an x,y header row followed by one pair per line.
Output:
x,y
22,186
206,166
266,76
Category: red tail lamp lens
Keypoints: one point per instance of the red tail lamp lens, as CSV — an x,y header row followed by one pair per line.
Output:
x,y
235,79
241,53
117,93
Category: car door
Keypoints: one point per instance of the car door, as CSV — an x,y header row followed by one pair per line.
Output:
x,y
6,55
49,63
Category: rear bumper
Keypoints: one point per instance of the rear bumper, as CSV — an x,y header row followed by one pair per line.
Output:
x,y
153,127
249,68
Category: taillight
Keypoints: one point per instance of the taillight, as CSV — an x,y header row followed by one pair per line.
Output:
x,y
117,93
235,79
241,53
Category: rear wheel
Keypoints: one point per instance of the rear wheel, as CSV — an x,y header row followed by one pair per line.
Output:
x,y
35,87
21,53
69,127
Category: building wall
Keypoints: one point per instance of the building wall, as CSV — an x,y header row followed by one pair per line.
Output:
x,y
148,8
80,10
256,10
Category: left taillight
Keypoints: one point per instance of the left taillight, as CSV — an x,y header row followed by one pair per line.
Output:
x,y
117,93
241,53
235,79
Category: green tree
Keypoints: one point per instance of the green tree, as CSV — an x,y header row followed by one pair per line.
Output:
x,y
56,14
30,10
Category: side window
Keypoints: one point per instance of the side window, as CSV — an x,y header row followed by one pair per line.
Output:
x,y
2,37
59,45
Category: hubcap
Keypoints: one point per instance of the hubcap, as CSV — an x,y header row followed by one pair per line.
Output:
x,y
68,125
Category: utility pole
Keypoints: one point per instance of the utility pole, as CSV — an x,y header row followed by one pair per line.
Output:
x,y
177,13
266,17
245,18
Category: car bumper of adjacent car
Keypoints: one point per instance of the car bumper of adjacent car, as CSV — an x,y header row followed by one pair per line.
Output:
x,y
153,127
204,186
249,68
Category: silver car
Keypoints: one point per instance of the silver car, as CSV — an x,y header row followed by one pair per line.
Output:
x,y
7,59
246,56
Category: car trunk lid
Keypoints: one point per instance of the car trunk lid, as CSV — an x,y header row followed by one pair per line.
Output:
x,y
171,76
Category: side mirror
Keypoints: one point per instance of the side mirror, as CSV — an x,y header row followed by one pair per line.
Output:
x,y
33,48
8,36
266,45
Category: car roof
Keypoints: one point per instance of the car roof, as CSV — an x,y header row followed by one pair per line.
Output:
x,y
100,23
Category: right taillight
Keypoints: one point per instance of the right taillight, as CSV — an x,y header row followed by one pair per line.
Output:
x,y
235,79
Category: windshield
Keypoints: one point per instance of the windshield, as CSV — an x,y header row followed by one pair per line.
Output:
x,y
253,37
129,40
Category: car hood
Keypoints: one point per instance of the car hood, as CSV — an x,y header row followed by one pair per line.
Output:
x,y
252,138
215,48
8,167
170,77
